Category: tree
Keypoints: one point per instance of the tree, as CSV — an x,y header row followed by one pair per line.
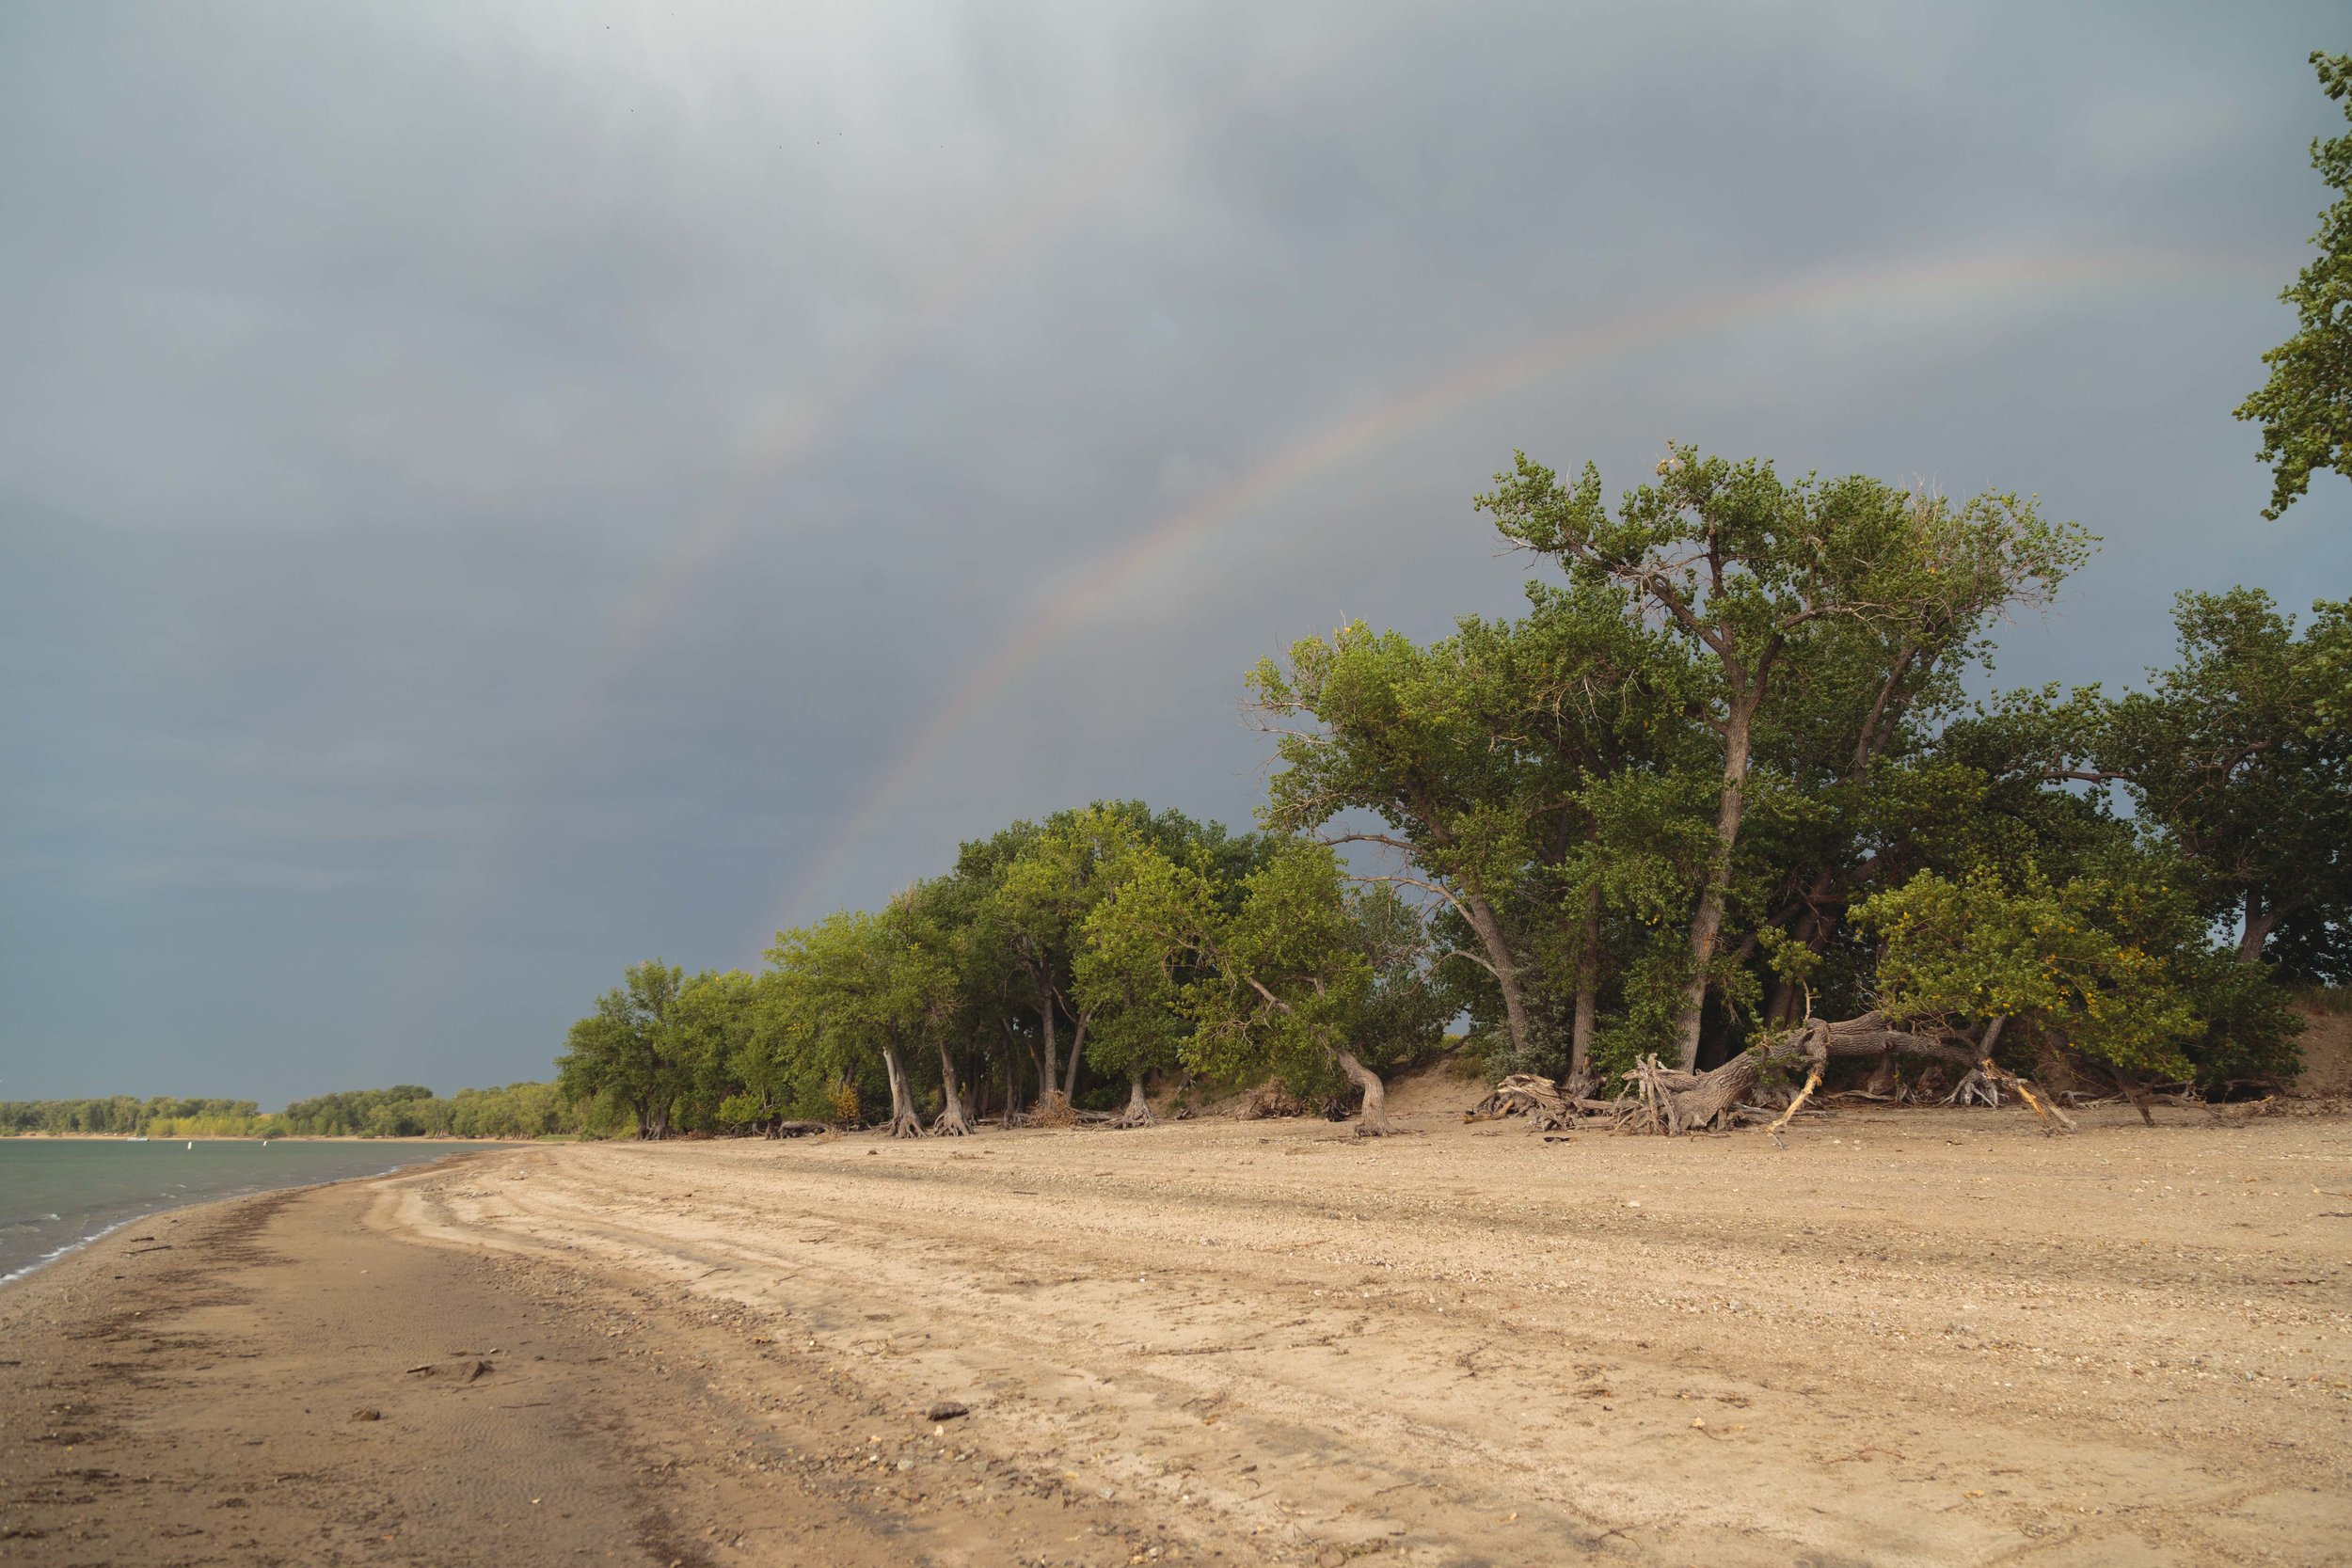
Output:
x,y
1043,898
1396,730
2112,966
1300,977
1766,583
2305,408
629,1048
866,988
1132,969
1475,755
2241,753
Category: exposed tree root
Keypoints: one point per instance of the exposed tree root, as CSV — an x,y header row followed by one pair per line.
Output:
x,y
951,1122
1138,1111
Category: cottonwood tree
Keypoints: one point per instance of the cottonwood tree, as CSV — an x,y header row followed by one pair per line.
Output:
x,y
1044,897
631,1047
1131,970
862,983
1476,755
1765,581
1304,976
2241,753
2305,408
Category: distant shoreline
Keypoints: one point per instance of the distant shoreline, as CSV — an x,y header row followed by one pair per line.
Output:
x,y
287,1138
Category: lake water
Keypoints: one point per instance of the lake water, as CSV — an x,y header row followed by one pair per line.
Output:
x,y
59,1193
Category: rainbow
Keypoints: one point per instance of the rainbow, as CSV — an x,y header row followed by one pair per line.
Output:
x,y
724,523
1080,601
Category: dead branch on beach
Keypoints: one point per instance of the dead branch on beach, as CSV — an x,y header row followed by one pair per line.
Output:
x,y
1524,1094
1668,1103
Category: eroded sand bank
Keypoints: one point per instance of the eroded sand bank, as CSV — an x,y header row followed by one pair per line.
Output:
x,y
1914,1339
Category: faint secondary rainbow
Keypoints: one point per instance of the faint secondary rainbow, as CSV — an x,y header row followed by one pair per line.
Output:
x,y
1078,602
722,525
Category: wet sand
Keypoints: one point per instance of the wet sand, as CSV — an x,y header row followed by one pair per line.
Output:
x,y
1911,1338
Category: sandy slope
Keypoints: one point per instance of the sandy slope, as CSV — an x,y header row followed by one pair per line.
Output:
x,y
1925,1338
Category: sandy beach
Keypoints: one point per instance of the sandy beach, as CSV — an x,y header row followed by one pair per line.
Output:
x,y
1919,1338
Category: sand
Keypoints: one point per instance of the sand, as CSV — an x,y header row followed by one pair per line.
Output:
x,y
1910,1337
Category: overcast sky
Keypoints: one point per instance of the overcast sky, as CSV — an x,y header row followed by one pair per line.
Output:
x,y
493,492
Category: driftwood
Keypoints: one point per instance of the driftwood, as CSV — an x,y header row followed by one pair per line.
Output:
x,y
1667,1102
797,1129
1523,1094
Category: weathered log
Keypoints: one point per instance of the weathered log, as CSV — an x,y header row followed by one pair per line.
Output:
x,y
1524,1094
797,1129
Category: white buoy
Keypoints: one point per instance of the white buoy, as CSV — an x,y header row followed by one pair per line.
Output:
x,y
191,1143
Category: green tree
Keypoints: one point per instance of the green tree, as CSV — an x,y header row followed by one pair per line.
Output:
x,y
631,1047
1130,973
1767,582
1300,977
1483,758
2305,408
2111,965
2241,753
871,987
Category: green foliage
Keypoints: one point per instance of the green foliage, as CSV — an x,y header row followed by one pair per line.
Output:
x,y
1281,977
2305,408
637,1047
2241,754
1726,773
2113,964
1804,622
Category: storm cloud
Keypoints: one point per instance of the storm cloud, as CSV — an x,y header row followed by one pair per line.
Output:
x,y
491,493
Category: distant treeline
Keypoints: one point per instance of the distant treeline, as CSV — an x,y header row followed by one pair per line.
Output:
x,y
403,1111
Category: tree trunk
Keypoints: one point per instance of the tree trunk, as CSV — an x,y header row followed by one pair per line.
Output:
x,y
1707,924
1052,1073
1138,1111
2135,1093
904,1123
1077,1054
1581,1083
1489,930
951,1121
1012,1073
2260,922
1375,1121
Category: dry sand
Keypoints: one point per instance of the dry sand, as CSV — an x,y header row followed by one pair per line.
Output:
x,y
1910,1337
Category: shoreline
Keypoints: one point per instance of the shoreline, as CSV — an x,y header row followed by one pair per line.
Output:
x,y
1238,1342
292,1138
135,1213
297,1377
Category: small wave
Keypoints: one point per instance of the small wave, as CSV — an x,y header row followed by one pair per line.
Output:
x,y
56,1253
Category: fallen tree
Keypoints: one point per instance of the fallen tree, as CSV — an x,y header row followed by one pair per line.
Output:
x,y
1667,1101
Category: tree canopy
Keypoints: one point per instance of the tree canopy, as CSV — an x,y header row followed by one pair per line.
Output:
x,y
1720,797
2305,408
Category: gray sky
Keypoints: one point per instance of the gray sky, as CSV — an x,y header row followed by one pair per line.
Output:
x,y
489,493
